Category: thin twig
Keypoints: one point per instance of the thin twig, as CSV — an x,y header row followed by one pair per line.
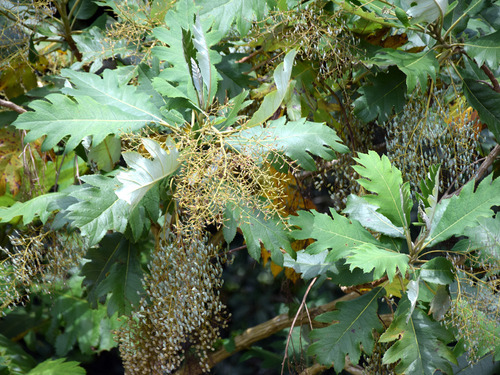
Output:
x,y
13,106
285,356
492,77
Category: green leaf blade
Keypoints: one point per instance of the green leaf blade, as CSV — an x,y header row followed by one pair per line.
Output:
x,y
453,215
381,178
369,257
60,116
146,173
296,139
356,320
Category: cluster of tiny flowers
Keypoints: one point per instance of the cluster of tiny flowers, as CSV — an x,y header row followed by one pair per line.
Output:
x,y
37,257
182,314
320,36
417,139
475,315
211,178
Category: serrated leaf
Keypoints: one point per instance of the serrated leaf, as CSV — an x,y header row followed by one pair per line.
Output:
x,y
387,93
429,188
485,49
438,271
485,100
109,91
39,207
455,214
310,265
416,66
98,208
114,268
296,139
223,13
59,116
369,217
259,229
146,173
369,257
207,68
177,79
95,45
336,233
355,321
383,179
81,323
57,367
486,238
273,100
421,347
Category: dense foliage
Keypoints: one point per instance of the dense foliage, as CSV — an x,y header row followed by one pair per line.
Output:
x,y
349,147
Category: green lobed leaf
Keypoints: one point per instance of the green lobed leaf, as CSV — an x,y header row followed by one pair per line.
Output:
x,y
98,208
177,80
95,46
107,90
485,100
385,181
208,71
298,140
114,268
259,229
224,13
416,66
369,257
82,325
310,265
59,116
438,270
428,198
39,207
356,319
146,173
336,233
485,49
420,347
57,367
486,236
387,93
453,215
273,100
14,356
369,217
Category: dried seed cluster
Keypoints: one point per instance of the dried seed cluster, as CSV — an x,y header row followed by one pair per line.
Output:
x,y
182,314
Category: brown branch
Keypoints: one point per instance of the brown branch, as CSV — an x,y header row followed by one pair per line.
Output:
x,y
13,106
492,77
481,171
264,330
269,328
